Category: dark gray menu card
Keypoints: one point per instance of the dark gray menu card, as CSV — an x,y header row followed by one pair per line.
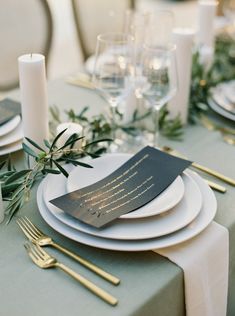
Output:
x,y
8,109
135,183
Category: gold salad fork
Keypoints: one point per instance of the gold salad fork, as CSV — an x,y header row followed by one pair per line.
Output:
x,y
36,236
43,260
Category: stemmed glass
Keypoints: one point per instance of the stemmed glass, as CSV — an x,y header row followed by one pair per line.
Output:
x,y
159,80
157,27
112,71
137,26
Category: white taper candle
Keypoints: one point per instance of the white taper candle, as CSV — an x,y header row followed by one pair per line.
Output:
x,y
183,39
206,16
34,102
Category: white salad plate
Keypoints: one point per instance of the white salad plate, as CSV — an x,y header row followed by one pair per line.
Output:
x,y
81,177
204,218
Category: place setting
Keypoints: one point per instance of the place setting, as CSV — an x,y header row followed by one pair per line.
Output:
x,y
178,213
222,100
11,128
221,95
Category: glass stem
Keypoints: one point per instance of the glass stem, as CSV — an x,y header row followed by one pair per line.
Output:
x,y
113,122
156,127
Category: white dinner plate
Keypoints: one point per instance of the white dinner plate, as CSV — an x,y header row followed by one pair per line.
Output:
x,y
142,228
11,148
10,125
81,177
12,137
220,110
204,218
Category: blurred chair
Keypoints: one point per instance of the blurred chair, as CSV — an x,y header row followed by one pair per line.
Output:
x,y
220,7
25,27
95,17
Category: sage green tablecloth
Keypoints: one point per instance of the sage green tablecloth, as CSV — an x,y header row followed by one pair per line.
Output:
x,y
150,284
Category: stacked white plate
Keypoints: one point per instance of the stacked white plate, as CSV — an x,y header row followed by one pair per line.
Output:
x,y
179,213
222,99
11,135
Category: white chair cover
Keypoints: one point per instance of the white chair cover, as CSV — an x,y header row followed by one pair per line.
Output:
x,y
25,27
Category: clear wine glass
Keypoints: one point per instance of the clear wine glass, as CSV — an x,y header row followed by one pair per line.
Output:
x,y
159,80
137,25
158,26
112,71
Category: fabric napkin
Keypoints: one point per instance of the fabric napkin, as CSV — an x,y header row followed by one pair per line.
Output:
x,y
204,260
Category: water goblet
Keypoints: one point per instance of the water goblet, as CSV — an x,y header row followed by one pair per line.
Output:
x,y
112,71
159,80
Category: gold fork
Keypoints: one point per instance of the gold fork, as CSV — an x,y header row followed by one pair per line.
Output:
x,y
43,260
36,236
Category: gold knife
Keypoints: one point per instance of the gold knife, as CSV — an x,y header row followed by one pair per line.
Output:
x,y
207,170
214,173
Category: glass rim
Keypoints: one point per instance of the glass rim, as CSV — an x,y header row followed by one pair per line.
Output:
x,y
160,48
124,38
161,11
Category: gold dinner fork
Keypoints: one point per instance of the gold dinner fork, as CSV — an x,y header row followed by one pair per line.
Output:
x,y
36,236
43,260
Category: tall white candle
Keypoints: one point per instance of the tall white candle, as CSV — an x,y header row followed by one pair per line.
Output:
x,y
183,39
1,206
34,102
206,16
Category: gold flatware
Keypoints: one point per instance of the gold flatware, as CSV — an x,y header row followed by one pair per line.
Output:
x,y
229,140
36,236
81,83
81,80
202,168
214,173
212,126
45,261
216,186
80,75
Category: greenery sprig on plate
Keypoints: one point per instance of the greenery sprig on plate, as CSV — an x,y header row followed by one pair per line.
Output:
x,y
17,185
